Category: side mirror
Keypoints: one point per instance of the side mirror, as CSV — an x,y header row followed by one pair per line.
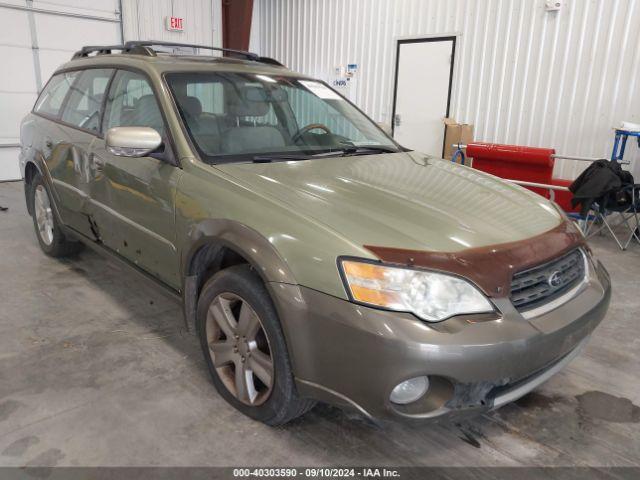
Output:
x,y
132,141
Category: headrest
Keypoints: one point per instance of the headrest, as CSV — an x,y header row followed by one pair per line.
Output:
x,y
145,103
279,95
147,113
191,106
252,102
97,98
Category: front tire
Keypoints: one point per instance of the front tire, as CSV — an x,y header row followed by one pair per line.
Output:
x,y
50,237
245,349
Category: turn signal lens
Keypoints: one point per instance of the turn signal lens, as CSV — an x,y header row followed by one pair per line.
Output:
x,y
429,295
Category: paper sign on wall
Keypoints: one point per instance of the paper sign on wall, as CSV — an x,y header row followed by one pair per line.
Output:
x,y
345,81
320,90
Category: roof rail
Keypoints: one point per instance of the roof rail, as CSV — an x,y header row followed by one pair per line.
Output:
x,y
145,47
85,51
107,49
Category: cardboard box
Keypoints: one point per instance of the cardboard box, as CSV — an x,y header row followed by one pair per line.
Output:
x,y
455,133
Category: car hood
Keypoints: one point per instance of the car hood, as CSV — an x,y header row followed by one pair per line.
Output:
x,y
402,200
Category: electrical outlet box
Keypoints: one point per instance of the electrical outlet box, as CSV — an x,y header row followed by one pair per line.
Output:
x,y
552,5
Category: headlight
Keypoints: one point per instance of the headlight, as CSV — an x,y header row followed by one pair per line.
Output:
x,y
431,296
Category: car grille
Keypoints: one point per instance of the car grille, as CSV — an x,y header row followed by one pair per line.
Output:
x,y
544,283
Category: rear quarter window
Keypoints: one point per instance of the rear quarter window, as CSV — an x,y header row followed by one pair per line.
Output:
x,y
50,100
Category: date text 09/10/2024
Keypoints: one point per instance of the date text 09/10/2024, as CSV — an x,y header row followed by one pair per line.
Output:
x,y
318,472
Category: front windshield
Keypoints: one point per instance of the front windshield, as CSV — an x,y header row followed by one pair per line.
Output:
x,y
243,117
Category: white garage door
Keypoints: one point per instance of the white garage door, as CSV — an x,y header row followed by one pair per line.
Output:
x,y
37,37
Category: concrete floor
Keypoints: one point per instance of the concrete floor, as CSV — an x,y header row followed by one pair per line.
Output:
x,y
95,369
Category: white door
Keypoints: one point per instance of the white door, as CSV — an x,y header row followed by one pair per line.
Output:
x,y
424,70
36,38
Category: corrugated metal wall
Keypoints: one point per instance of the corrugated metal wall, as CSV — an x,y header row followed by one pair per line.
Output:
x,y
144,20
523,75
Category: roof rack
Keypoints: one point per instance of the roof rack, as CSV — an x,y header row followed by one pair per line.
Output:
x,y
103,49
145,47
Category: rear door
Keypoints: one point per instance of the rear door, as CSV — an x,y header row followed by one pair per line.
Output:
x,y
50,138
67,138
133,198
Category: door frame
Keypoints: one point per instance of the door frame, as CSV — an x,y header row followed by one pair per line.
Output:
x,y
438,37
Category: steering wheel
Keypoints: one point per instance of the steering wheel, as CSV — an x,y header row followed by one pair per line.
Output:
x,y
312,126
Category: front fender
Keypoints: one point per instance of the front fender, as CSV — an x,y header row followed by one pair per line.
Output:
x,y
212,235
242,239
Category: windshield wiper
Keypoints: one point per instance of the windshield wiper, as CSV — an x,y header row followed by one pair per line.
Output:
x,y
278,156
348,149
353,149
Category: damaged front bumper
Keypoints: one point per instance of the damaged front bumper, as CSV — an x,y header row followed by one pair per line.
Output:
x,y
353,356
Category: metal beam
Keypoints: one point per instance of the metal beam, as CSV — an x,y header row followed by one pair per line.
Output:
x,y
60,13
34,45
121,21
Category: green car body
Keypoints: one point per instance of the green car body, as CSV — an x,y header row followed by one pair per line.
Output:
x,y
180,219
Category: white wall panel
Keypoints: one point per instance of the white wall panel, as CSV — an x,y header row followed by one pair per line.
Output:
x,y
102,8
61,27
144,20
38,37
523,75
56,49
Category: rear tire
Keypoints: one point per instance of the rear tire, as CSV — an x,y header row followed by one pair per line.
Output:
x,y
245,349
50,237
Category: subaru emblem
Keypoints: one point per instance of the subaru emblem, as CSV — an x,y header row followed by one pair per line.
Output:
x,y
554,279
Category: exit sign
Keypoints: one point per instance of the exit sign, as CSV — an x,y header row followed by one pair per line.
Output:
x,y
174,24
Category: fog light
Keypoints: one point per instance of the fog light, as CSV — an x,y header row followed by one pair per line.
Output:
x,y
409,390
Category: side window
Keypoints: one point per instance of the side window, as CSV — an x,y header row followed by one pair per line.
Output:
x,y
131,103
51,98
84,107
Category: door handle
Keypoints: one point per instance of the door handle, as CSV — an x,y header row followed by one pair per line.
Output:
x,y
397,120
99,163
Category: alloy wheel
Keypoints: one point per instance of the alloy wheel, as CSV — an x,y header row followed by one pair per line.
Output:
x,y
44,215
239,349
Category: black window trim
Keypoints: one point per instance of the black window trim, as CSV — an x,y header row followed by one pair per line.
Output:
x,y
172,158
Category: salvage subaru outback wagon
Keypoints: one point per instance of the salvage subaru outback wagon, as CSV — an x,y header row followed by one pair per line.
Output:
x,y
315,257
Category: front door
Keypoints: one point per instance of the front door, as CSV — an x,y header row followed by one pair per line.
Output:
x,y
133,198
424,70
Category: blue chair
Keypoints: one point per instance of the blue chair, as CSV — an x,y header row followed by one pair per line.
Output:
x,y
620,143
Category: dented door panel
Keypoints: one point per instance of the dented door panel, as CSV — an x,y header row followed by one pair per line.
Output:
x,y
66,154
133,206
